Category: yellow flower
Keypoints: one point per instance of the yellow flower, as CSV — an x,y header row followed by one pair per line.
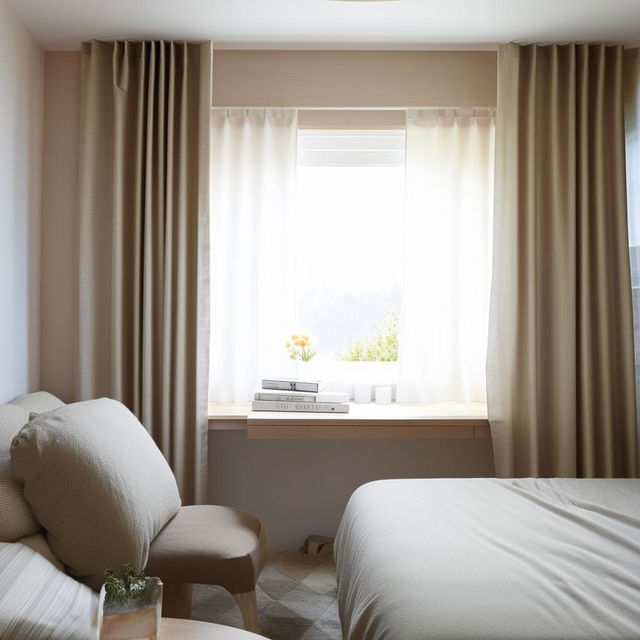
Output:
x,y
294,336
288,345
305,336
292,356
300,343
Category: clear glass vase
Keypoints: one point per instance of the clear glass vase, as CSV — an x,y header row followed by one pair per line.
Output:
x,y
301,369
132,619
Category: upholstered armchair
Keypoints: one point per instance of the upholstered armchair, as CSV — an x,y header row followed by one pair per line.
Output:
x,y
209,545
91,476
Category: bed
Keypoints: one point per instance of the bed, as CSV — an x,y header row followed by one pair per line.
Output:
x,y
476,559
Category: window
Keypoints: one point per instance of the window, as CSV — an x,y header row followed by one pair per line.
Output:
x,y
349,224
376,242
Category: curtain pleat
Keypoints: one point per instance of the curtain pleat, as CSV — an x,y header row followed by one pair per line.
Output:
x,y
632,135
144,241
560,375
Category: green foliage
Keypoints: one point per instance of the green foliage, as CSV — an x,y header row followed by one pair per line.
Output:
x,y
381,347
125,584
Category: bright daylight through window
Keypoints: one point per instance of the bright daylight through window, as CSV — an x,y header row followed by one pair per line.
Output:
x,y
375,242
349,226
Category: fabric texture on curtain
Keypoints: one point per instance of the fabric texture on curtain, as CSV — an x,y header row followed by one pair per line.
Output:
x,y
253,199
632,134
560,376
447,269
144,234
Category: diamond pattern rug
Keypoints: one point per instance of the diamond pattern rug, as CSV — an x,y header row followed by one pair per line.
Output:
x,y
296,599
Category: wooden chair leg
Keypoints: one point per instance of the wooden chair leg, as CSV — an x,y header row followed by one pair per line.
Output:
x,y
176,600
249,609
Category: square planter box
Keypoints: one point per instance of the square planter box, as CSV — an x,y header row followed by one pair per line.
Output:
x,y
132,619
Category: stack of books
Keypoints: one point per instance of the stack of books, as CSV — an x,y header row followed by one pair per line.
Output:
x,y
295,394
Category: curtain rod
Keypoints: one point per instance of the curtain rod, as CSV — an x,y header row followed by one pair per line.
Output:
x,y
350,108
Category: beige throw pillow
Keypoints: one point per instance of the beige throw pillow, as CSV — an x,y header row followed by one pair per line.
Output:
x,y
16,518
38,402
97,483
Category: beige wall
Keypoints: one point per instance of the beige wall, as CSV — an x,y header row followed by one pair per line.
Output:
x,y
300,487
21,76
297,487
59,222
354,78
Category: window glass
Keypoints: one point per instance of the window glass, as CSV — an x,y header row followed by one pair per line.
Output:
x,y
350,188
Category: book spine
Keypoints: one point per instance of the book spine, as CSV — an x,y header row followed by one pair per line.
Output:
x,y
284,397
296,396
290,385
327,396
308,407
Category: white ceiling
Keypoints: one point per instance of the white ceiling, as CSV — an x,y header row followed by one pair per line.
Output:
x,y
402,24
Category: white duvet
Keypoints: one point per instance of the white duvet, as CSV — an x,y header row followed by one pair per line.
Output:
x,y
489,559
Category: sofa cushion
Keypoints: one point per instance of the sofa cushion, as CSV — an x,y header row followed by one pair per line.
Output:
x,y
97,483
17,519
38,402
38,601
12,419
38,542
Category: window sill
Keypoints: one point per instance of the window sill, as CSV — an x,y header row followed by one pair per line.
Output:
x,y
445,420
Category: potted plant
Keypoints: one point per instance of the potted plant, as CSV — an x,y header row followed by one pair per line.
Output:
x,y
130,605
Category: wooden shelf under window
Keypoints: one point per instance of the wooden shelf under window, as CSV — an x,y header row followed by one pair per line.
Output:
x,y
445,420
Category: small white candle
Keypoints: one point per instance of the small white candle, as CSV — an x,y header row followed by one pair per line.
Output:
x,y
383,395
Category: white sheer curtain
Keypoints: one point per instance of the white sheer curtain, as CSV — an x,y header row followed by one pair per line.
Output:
x,y
252,233
447,270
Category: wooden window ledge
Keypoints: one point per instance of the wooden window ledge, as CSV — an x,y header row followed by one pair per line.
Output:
x,y
445,420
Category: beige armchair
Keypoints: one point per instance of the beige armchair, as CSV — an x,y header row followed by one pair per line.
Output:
x,y
209,545
201,544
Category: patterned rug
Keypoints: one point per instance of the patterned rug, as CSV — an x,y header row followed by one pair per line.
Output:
x,y
296,599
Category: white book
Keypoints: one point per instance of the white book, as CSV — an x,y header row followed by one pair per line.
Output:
x,y
278,395
304,407
293,384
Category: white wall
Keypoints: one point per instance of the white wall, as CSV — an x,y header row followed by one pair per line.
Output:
x,y
21,91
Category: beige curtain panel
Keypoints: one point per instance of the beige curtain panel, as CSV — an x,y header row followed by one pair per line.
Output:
x,y
560,376
144,232
632,134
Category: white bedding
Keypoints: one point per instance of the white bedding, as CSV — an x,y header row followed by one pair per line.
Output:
x,y
476,559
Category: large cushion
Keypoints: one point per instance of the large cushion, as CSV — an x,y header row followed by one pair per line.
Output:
x,y
97,483
38,542
38,601
38,402
16,517
209,544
